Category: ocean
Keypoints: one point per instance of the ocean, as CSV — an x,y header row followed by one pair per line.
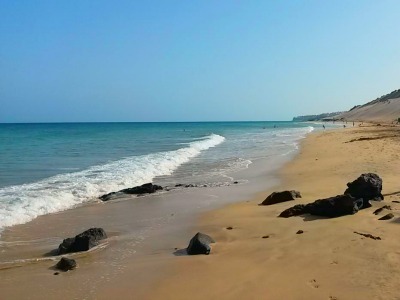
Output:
x,y
46,168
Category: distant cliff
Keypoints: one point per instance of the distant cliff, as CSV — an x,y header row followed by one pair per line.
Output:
x,y
317,117
383,109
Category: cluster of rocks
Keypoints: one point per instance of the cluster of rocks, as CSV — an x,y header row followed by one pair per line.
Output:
x,y
81,242
149,188
365,188
357,196
199,244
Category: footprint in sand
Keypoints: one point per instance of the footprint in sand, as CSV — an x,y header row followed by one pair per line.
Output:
x,y
314,283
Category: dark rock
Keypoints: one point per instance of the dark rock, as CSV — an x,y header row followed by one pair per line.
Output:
x,y
66,246
334,206
300,232
229,228
368,235
330,207
296,210
56,273
66,264
235,182
108,196
278,197
178,185
368,187
200,244
147,188
387,217
83,241
265,237
190,185
376,212
395,201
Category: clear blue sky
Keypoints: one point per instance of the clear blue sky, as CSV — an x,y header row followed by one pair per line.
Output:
x,y
193,60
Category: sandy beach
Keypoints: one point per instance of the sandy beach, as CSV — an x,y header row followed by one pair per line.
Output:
x,y
327,261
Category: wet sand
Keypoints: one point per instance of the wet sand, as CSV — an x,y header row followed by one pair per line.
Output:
x,y
144,233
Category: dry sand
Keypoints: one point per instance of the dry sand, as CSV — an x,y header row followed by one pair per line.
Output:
x,y
327,261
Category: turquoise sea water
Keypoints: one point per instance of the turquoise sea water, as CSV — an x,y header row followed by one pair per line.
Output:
x,y
45,168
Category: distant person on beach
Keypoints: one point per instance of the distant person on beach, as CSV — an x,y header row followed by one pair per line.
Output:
x,y
323,126
344,126
353,124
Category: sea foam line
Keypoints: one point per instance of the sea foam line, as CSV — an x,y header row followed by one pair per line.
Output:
x,y
23,203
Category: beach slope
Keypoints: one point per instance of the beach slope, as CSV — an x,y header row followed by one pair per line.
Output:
x,y
262,257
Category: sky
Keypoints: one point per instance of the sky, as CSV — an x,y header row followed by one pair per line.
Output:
x,y
105,61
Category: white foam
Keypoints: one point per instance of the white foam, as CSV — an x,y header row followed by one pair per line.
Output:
x,y
22,203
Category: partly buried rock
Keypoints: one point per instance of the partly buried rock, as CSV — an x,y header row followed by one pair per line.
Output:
x,y
83,241
368,187
278,197
200,244
147,188
330,207
387,217
66,264
376,212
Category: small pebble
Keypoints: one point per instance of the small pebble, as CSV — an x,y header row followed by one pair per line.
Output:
x,y
265,236
56,273
300,232
229,228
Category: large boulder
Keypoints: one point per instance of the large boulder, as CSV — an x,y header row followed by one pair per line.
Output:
x,y
147,188
330,207
368,187
278,197
200,244
66,264
83,241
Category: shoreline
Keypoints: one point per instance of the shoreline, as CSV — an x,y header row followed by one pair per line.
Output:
x,y
163,222
240,255
327,261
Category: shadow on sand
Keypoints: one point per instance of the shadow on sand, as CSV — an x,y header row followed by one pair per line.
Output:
x,y
309,218
180,252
